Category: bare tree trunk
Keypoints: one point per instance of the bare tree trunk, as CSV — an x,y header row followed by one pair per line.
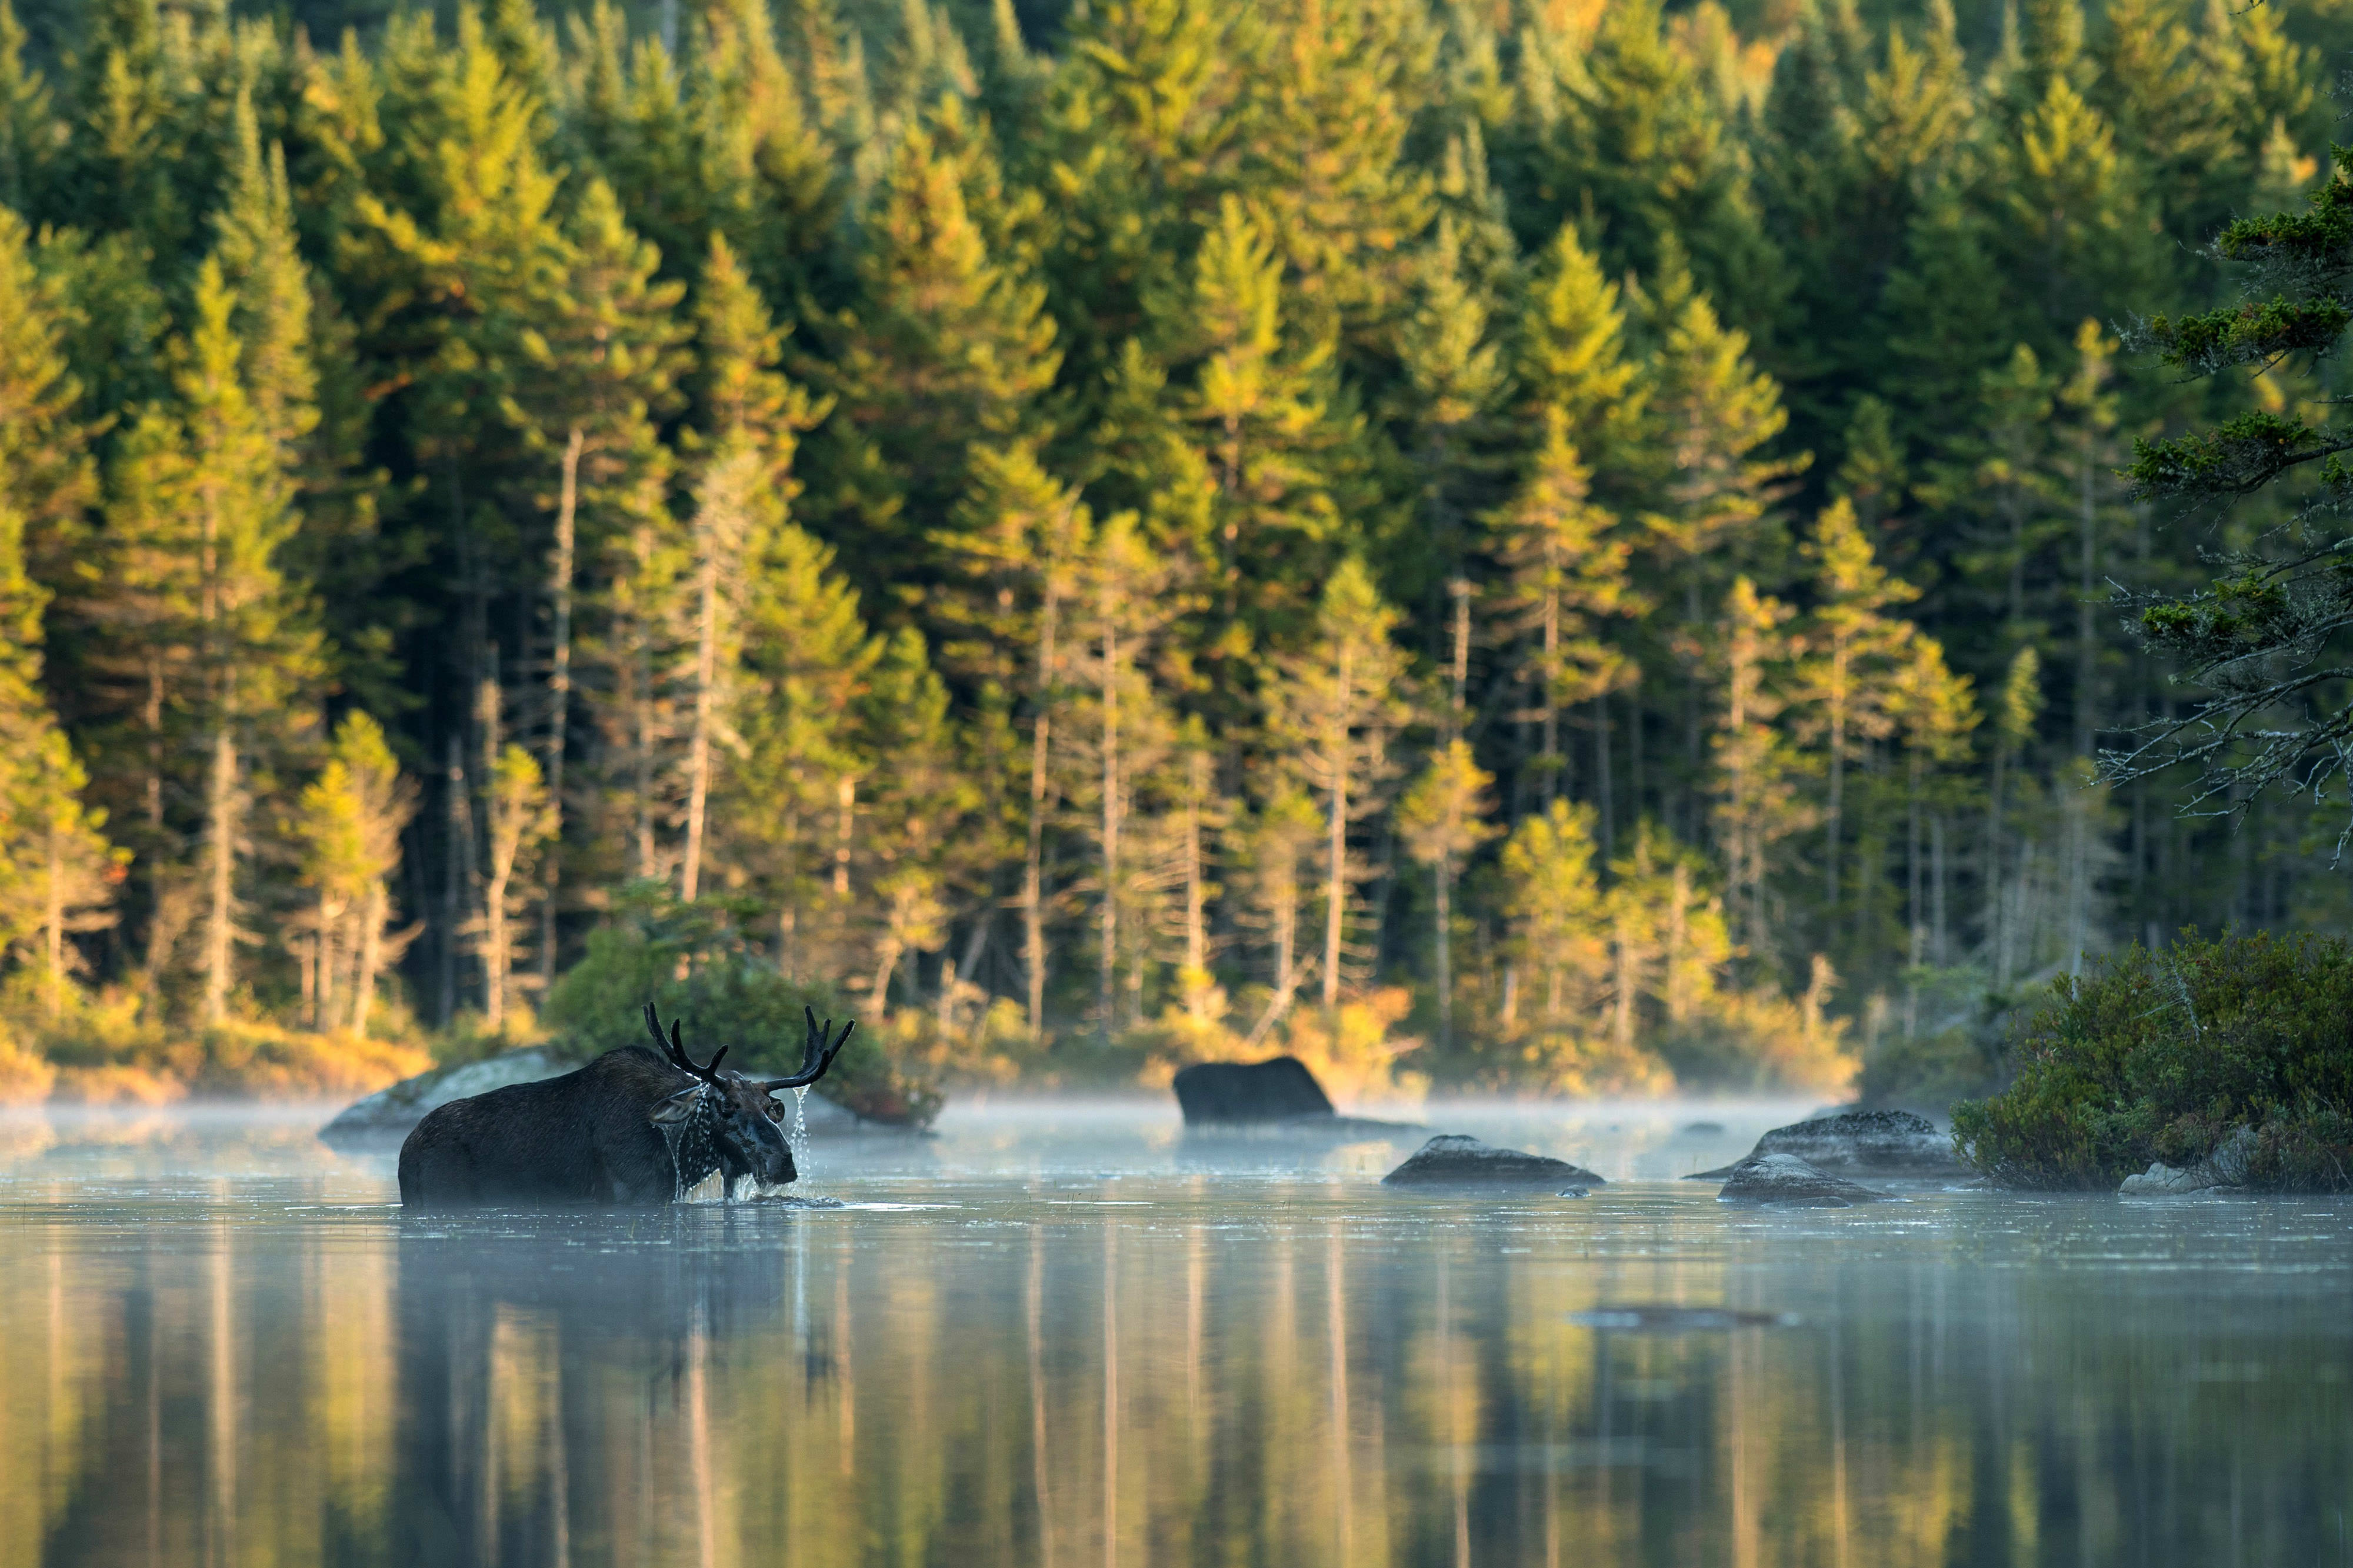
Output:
x,y
220,856
1197,929
456,879
559,693
1551,709
706,675
1838,775
1033,870
1336,874
494,887
1601,782
331,917
53,921
1445,948
2087,651
844,828
371,956
1460,590
1110,958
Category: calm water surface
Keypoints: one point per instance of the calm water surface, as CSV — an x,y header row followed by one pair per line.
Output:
x,y
1056,1335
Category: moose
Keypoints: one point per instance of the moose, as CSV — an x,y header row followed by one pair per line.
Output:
x,y
635,1126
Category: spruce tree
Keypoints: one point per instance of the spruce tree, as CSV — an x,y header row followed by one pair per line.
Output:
x,y
1333,708
58,875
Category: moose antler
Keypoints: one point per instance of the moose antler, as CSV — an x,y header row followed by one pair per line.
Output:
x,y
823,1046
672,1048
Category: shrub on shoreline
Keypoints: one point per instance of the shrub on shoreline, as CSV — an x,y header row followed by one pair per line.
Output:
x,y
2159,1056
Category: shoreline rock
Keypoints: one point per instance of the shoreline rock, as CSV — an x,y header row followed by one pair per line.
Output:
x,y
1452,1160
2224,1169
1786,1179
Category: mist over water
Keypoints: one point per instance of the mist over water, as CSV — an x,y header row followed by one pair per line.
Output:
x,y
1059,1333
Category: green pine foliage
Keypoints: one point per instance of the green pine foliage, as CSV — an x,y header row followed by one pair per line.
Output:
x,y
1565,545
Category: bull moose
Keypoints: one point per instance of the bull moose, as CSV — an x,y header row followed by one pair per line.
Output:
x,y
635,1126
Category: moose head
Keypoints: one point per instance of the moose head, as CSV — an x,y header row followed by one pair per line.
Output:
x,y
727,1122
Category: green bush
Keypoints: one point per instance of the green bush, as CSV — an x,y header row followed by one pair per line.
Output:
x,y
686,962
2159,1056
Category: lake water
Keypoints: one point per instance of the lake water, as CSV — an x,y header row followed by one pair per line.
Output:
x,y
1054,1336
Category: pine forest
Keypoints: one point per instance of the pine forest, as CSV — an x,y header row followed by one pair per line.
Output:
x,y
1570,546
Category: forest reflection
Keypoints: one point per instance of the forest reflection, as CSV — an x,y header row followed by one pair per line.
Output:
x,y
1152,1371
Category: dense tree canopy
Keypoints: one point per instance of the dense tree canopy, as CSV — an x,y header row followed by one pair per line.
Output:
x,y
1581,536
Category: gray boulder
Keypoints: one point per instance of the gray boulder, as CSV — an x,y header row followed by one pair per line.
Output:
x,y
1786,1179
389,1113
1860,1143
2225,1166
1452,1160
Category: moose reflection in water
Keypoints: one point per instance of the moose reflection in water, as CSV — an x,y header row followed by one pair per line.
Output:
x,y
635,1126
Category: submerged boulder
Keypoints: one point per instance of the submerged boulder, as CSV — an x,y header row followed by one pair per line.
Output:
x,y
1866,1143
2226,1166
1452,1160
1786,1179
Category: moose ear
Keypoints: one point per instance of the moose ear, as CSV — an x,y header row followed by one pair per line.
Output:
x,y
675,1108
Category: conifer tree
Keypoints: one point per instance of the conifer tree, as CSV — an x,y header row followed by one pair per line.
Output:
x,y
1553,899
1443,820
44,463
1757,804
1572,357
28,139
1853,651
949,346
522,821
1335,707
1016,558
204,619
57,873
1565,575
351,819
1256,402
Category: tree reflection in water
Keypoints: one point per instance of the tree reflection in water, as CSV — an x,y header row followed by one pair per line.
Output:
x,y
1169,1368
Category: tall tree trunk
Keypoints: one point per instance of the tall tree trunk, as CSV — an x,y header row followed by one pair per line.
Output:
x,y
330,919
1033,867
1196,929
845,829
1336,878
371,955
559,693
2087,652
457,872
706,677
1458,706
1551,709
1445,947
220,875
1601,781
1110,958
495,953
53,924
1838,775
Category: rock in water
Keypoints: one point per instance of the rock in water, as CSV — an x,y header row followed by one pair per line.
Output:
x,y
1867,1143
1886,1143
1452,1160
2226,1166
391,1112
1786,1179
1231,1094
